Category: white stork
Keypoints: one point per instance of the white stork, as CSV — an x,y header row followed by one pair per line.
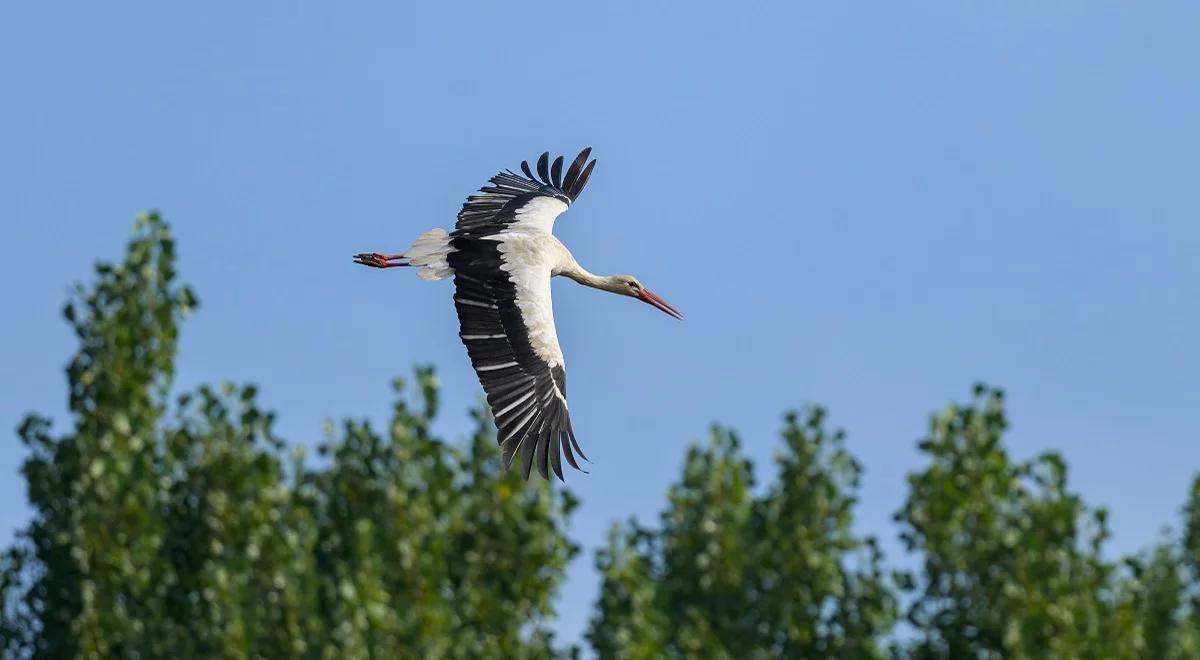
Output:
x,y
502,255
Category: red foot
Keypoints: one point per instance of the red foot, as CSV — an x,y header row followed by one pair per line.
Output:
x,y
377,260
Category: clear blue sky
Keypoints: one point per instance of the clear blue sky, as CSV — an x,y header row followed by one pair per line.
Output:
x,y
870,209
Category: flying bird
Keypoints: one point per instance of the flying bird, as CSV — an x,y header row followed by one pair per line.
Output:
x,y
502,254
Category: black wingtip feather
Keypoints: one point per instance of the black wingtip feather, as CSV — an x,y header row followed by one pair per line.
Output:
x,y
552,434
540,446
556,459
582,181
527,457
544,167
507,453
564,442
526,170
575,169
575,444
508,449
543,457
556,172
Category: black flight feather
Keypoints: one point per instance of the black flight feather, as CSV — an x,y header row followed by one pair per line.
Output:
x,y
566,449
556,172
582,180
576,167
527,452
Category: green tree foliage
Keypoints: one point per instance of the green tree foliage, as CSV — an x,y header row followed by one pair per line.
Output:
x,y
729,574
185,527
1012,560
187,530
1190,558
1157,596
429,549
1165,588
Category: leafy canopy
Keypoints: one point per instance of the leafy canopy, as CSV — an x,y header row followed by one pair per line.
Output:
x,y
183,526
186,529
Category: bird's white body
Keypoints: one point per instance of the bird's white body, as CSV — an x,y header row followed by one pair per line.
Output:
x,y
531,256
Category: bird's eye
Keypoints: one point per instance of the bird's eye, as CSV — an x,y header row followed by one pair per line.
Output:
x,y
634,285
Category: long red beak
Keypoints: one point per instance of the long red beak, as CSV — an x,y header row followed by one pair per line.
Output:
x,y
648,297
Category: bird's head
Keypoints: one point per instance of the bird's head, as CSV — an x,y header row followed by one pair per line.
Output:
x,y
628,285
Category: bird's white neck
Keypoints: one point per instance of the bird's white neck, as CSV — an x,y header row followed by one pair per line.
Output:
x,y
603,282
571,269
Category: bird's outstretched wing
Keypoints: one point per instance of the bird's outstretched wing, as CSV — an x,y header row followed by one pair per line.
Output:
x,y
526,390
515,198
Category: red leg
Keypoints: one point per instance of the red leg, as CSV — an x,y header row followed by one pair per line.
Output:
x,y
377,260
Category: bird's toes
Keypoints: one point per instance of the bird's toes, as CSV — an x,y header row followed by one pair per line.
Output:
x,y
373,259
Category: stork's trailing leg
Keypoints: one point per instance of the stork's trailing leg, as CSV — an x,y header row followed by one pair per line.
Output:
x,y
377,260
427,255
